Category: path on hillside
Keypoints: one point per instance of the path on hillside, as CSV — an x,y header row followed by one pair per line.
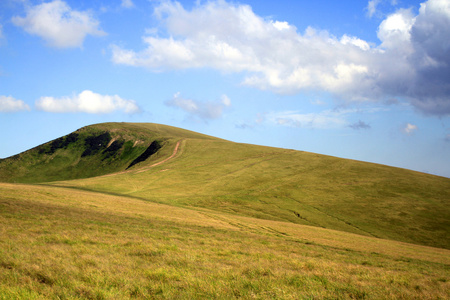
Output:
x,y
175,152
146,168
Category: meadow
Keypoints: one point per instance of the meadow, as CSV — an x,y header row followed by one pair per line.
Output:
x,y
293,186
205,218
69,244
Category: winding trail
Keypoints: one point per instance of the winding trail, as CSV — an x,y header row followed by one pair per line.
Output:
x,y
175,152
146,168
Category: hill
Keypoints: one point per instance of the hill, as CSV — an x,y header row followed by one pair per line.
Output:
x,y
140,211
247,180
91,151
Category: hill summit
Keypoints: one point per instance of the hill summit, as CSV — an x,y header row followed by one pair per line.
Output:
x,y
92,151
174,166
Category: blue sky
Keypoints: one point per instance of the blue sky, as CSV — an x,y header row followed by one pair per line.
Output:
x,y
365,80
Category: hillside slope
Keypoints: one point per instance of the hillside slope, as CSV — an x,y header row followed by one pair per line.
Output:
x,y
61,243
274,184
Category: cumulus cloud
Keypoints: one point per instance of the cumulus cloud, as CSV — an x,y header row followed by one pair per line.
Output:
x,y
10,104
58,24
355,42
203,110
430,34
359,125
410,128
412,61
273,54
87,102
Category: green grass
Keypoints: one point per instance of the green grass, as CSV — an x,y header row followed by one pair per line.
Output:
x,y
293,186
58,243
218,220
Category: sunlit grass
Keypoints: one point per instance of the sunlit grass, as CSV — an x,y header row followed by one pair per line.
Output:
x,y
220,220
294,186
59,243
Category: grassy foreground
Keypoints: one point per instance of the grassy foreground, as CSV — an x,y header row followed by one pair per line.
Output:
x,y
61,243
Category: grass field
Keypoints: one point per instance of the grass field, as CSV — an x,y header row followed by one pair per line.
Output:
x,y
205,218
294,186
57,243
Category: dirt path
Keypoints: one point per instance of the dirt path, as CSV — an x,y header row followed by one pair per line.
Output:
x,y
143,169
175,151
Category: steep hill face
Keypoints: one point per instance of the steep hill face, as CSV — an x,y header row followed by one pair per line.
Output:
x,y
92,151
240,179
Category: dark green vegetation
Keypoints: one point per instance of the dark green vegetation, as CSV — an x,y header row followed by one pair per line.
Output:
x,y
90,151
152,149
150,211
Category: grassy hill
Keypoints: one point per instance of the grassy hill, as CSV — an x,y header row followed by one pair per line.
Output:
x,y
249,180
91,151
131,210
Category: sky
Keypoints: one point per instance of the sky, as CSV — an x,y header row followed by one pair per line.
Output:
x,y
364,80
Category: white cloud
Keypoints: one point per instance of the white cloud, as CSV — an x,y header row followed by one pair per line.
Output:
x,y
395,30
58,24
87,102
281,25
1,31
409,128
225,100
327,119
127,4
363,45
272,53
9,104
412,61
203,110
372,7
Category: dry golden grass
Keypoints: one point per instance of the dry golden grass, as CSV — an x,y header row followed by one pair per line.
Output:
x,y
221,220
61,243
